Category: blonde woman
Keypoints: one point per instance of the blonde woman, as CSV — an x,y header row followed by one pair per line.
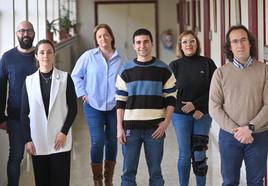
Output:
x,y
191,119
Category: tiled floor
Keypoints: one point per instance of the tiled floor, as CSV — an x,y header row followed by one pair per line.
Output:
x,y
81,173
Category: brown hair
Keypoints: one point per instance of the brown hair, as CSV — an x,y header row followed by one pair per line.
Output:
x,y
179,52
44,41
108,28
227,47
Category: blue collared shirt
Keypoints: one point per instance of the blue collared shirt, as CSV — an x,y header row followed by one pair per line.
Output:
x,y
237,64
95,77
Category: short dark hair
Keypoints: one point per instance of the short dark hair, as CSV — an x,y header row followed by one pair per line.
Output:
x,y
142,31
179,52
109,30
44,41
227,47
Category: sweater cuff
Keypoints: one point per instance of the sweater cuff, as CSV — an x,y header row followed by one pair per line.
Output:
x,y
170,101
120,104
3,118
65,131
27,139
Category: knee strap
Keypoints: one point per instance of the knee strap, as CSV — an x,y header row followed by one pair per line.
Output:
x,y
199,142
200,168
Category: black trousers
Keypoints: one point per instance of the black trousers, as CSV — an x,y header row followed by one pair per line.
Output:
x,y
52,170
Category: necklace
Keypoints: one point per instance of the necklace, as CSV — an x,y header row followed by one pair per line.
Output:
x,y
46,79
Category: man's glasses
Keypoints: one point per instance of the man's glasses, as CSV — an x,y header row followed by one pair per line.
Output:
x,y
23,31
190,42
242,41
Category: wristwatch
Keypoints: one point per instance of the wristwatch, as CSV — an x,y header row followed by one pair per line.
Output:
x,y
251,127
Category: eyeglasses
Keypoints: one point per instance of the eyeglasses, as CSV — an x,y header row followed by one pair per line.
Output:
x,y
23,31
242,41
190,42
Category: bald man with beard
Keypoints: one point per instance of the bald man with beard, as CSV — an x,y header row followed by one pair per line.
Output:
x,y
15,65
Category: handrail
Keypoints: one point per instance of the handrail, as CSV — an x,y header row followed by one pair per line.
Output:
x,y
66,42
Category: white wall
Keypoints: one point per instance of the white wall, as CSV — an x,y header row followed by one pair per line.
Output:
x,y
167,20
201,33
85,16
6,18
244,13
260,42
216,35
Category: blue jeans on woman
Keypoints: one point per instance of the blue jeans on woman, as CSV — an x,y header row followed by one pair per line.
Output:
x,y
186,126
102,129
233,153
153,149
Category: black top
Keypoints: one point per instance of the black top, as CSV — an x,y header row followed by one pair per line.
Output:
x,y
45,83
193,76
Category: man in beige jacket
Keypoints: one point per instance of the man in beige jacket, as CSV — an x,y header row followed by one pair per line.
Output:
x,y
238,102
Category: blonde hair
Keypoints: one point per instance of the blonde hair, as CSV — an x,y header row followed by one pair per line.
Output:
x,y
179,52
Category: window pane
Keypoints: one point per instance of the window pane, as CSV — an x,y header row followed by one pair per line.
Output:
x,y
6,26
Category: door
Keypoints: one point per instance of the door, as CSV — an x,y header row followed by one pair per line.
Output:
x,y
124,19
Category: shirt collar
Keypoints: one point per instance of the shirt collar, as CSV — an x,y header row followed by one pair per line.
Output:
x,y
98,51
237,64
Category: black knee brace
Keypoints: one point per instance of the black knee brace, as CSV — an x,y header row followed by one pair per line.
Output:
x,y
200,168
199,142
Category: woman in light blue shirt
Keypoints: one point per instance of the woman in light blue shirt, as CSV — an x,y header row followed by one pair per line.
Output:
x,y
94,76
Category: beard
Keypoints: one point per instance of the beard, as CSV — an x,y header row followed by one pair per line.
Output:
x,y
26,42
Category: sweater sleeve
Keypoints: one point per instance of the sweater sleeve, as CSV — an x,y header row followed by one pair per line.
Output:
x,y
170,91
174,69
121,92
3,90
71,104
25,110
261,120
216,100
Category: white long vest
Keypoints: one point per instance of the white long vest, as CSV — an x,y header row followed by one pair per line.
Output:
x,y
44,129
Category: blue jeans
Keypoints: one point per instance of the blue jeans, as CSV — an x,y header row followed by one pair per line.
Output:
x,y
153,149
233,153
186,126
16,151
102,129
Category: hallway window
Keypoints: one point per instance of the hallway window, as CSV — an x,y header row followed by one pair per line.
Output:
x,y
7,37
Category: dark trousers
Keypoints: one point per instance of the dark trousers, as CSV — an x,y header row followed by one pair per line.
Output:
x,y
233,153
52,170
16,150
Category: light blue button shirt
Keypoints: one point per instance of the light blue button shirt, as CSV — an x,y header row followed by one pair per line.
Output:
x,y
95,78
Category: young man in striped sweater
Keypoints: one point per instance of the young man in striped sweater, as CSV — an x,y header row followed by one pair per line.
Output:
x,y
145,98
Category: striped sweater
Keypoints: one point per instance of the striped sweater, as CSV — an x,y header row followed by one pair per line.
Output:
x,y
144,90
